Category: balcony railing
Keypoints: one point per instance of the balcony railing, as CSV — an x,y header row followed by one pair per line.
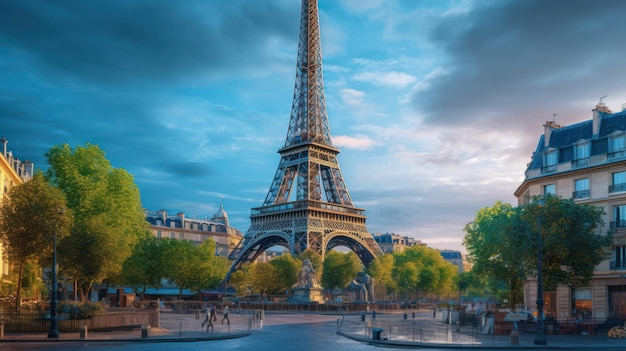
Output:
x,y
616,155
581,162
548,169
580,194
618,224
616,188
617,266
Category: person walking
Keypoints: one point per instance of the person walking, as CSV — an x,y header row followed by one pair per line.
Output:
x,y
208,321
226,315
213,315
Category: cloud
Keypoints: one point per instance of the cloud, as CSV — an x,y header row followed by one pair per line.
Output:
x,y
360,142
390,79
508,59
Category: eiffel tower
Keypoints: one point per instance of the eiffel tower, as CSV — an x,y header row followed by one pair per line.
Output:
x,y
296,213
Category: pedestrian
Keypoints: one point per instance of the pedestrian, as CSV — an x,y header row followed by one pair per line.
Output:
x,y
226,315
208,321
213,315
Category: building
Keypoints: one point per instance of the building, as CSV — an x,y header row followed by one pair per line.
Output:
x,y
456,258
585,161
13,172
391,242
164,225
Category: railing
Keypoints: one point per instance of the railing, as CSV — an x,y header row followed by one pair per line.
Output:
x,y
616,188
580,194
617,266
617,224
38,322
582,162
616,155
548,169
306,204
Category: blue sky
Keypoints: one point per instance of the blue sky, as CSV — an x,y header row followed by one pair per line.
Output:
x,y
436,106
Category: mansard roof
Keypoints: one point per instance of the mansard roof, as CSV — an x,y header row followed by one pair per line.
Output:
x,y
564,139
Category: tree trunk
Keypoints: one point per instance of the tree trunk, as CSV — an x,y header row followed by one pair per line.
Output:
x,y
19,287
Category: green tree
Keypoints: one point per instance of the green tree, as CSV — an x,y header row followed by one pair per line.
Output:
x,y
145,266
380,270
287,268
502,243
108,216
193,267
340,269
498,245
422,269
241,279
264,277
570,248
30,218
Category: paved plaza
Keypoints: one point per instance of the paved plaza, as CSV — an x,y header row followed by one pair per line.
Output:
x,y
301,331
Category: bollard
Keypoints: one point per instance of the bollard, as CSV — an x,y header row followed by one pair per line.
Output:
x,y
376,333
514,337
144,331
413,315
83,332
373,314
405,315
362,317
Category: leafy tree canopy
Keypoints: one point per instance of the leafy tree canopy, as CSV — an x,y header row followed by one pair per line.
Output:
x,y
340,269
108,216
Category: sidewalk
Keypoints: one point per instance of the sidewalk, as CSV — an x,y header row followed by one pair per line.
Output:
x,y
174,327
441,335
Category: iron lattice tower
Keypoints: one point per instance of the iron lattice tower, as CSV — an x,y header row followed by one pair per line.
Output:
x,y
297,214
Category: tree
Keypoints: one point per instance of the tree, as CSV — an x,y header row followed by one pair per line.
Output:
x,y
146,264
193,267
241,279
287,268
420,268
497,242
108,216
340,269
264,278
570,248
31,217
380,270
502,243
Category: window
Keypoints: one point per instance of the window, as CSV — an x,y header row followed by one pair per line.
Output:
x,y
618,143
159,234
619,258
619,182
172,235
551,158
581,151
581,155
581,188
617,148
619,216
549,189
581,303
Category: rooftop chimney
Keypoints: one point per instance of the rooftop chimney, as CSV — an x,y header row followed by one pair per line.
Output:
x,y
598,112
548,128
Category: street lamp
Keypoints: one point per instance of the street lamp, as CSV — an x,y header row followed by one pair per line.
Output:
x,y
53,333
540,339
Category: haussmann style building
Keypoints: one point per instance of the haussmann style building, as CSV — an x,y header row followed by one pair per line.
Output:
x,y
585,161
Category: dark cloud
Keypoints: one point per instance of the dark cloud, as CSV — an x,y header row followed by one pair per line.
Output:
x,y
186,169
512,59
120,41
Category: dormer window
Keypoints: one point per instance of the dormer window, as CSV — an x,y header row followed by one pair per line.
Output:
x,y
551,159
617,147
581,154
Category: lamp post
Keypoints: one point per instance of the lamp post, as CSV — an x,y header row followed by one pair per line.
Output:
x,y
540,338
53,333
